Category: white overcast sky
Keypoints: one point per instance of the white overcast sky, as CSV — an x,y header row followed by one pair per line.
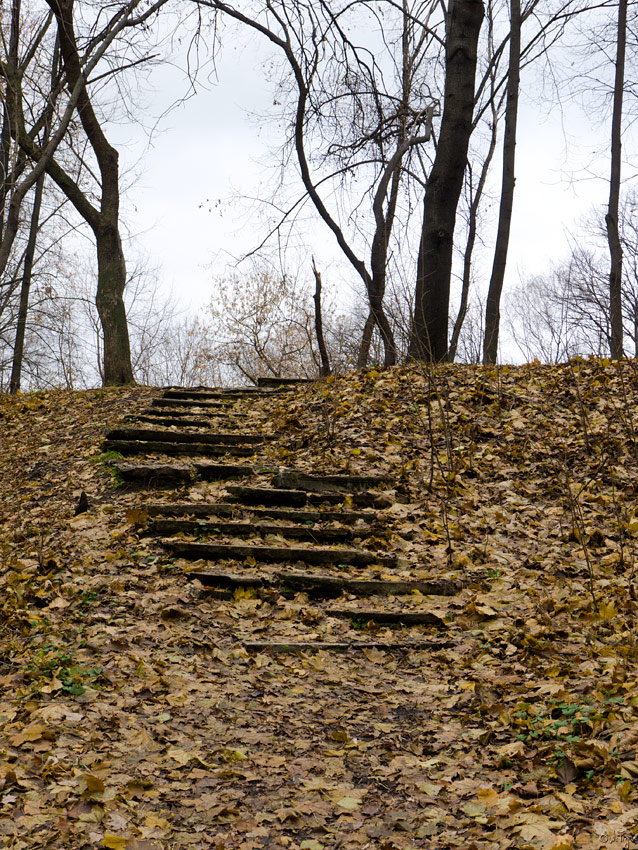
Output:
x,y
210,147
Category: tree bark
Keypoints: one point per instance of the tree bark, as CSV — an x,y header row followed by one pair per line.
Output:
x,y
117,368
429,332
5,134
109,301
611,219
366,342
321,342
492,306
471,240
25,288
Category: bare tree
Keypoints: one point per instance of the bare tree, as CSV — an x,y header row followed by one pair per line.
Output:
x,y
103,219
339,90
429,337
492,308
567,311
611,219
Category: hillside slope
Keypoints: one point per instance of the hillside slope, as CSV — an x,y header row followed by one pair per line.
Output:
x,y
133,716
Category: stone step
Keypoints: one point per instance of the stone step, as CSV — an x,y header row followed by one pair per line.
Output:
x,y
150,473
226,509
170,403
164,472
274,554
283,382
300,498
197,396
171,422
293,479
327,585
183,415
162,435
292,646
400,618
137,447
256,529
221,471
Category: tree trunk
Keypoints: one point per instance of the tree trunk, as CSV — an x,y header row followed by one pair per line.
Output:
x,y
18,348
321,342
366,341
429,332
117,368
492,306
5,134
110,306
611,219
471,239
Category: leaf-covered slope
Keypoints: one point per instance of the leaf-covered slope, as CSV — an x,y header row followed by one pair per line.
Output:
x,y
131,717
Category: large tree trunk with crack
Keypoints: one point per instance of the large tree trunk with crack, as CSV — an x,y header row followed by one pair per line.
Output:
x,y
429,333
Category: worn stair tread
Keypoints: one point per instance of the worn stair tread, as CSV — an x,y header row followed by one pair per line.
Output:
x,y
147,471
227,509
136,447
269,554
293,479
371,587
327,584
193,406
404,618
283,382
209,471
224,579
341,646
259,528
171,422
162,435
183,415
299,498
212,395
219,471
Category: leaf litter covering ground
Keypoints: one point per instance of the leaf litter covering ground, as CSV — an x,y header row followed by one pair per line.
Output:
x,y
130,716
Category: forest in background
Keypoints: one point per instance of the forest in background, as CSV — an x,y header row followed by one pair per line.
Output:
x,y
396,119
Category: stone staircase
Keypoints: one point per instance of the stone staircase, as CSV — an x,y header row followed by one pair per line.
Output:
x,y
285,534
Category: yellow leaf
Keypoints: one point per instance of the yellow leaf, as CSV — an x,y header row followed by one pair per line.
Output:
x,y
429,788
570,803
473,810
115,842
250,561
31,733
607,610
311,844
180,756
489,797
157,822
231,754
349,803
136,516
94,785
625,789
563,842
